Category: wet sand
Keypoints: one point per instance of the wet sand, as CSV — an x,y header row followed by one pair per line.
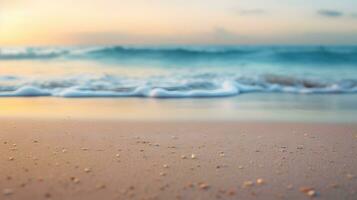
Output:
x,y
63,159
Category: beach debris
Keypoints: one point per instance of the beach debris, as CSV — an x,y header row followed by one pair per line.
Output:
x,y
193,156
248,184
87,170
221,154
11,158
309,191
260,181
7,191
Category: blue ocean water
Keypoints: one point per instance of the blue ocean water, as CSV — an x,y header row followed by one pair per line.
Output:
x,y
176,71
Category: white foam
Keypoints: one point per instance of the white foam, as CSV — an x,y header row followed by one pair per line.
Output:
x,y
26,91
163,87
227,89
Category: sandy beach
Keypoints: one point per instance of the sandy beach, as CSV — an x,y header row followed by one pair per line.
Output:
x,y
74,159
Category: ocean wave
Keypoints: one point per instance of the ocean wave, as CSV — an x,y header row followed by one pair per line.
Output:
x,y
168,87
327,55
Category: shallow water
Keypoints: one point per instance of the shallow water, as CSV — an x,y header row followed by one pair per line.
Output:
x,y
249,107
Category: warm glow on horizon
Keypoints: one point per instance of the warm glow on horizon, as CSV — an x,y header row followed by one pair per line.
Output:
x,y
67,22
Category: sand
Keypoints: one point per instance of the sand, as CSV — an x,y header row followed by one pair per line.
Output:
x,y
62,159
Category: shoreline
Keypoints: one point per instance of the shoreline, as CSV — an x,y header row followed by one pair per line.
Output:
x,y
78,159
247,107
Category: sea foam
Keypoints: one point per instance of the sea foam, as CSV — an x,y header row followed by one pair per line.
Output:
x,y
171,87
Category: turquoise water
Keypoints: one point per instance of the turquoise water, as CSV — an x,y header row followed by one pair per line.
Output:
x,y
177,72
270,83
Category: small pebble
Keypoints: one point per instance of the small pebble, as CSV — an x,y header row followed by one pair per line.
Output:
x,y
231,193
203,186
311,193
11,158
260,181
75,180
193,156
48,195
300,147
183,157
289,187
308,191
101,186
87,170
247,184
350,176
165,166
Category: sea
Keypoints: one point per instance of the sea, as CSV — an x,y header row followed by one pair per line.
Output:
x,y
297,79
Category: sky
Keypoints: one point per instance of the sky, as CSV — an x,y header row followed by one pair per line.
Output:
x,y
101,22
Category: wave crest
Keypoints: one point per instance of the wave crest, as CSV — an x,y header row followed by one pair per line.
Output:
x,y
179,87
328,55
